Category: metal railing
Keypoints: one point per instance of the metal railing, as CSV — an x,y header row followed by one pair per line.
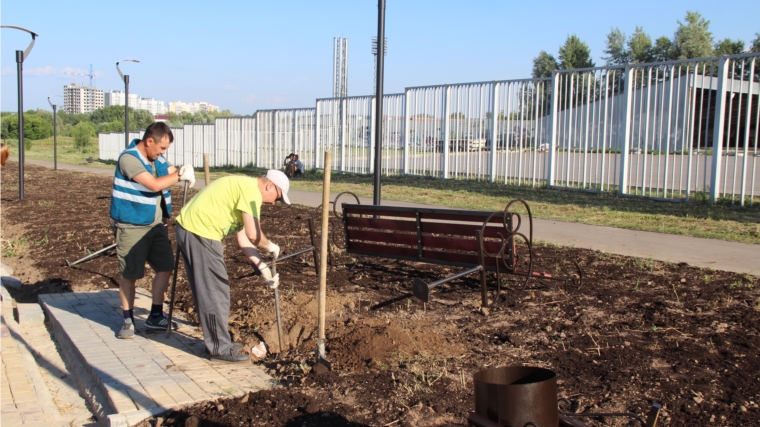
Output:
x,y
646,130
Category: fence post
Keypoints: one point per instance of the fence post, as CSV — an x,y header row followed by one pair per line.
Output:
x,y
554,130
256,153
293,127
317,123
719,120
625,148
494,128
343,134
446,130
407,131
372,136
275,138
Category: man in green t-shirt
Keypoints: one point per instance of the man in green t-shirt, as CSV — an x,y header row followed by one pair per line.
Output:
x,y
231,204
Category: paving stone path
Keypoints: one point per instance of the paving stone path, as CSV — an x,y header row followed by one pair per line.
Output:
x,y
140,377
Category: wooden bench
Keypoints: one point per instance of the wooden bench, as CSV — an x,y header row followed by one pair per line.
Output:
x,y
478,241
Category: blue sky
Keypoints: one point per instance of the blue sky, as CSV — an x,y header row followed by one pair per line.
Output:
x,y
251,55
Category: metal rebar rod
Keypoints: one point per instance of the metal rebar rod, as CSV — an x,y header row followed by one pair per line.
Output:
x,y
291,255
91,255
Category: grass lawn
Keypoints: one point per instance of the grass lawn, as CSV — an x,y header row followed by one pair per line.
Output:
x,y
719,221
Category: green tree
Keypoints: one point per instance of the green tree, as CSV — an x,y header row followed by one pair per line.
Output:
x,y
9,129
693,38
35,127
640,46
574,54
114,126
663,50
108,114
728,47
755,44
82,133
615,49
543,65
139,119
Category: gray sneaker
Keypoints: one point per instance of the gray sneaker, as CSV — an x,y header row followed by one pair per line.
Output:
x,y
127,329
159,323
233,355
235,346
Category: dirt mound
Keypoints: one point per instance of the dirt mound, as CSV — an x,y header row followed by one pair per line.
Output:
x,y
376,343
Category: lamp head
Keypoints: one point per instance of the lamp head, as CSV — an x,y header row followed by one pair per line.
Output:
x,y
119,69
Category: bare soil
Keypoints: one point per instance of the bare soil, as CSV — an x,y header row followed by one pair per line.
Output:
x,y
639,331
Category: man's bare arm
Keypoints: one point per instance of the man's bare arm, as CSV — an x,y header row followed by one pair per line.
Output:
x,y
158,184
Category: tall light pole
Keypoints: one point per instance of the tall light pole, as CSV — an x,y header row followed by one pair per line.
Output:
x,y
126,100
20,57
379,100
55,134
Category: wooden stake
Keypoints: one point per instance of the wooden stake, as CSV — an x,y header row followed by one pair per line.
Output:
x,y
323,247
205,169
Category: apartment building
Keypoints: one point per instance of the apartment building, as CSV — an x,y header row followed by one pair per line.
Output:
x,y
78,99
178,107
155,106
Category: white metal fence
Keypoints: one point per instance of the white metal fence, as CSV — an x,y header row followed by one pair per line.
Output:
x,y
641,129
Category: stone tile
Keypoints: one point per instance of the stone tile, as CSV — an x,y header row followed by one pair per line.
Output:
x,y
141,400
124,405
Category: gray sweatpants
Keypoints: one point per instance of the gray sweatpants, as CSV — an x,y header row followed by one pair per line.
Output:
x,y
207,274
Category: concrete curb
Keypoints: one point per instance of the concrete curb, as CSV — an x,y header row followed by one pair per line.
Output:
x,y
31,369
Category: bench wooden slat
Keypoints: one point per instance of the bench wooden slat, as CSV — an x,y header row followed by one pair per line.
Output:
x,y
383,250
381,237
382,224
468,230
377,210
457,244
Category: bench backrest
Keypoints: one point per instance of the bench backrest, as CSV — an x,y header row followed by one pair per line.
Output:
x,y
441,236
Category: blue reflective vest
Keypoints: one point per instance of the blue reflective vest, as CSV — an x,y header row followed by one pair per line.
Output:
x,y
132,202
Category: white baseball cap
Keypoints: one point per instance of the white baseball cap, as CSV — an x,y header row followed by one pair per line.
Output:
x,y
280,180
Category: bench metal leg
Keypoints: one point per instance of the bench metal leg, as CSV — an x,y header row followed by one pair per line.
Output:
x,y
421,290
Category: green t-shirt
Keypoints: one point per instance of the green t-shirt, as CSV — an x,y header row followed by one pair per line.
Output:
x,y
217,211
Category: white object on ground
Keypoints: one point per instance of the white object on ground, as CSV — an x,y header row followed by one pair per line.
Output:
x,y
259,350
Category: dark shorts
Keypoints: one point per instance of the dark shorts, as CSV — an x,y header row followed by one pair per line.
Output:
x,y
135,246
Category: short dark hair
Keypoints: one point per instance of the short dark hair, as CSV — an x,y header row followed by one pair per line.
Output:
x,y
157,131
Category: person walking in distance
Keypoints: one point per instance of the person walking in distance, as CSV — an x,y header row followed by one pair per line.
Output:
x,y
141,205
229,205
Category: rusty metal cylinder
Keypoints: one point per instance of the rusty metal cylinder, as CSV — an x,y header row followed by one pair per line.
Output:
x,y
514,396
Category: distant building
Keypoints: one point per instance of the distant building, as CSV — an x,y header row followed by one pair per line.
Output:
x,y
79,99
178,107
116,97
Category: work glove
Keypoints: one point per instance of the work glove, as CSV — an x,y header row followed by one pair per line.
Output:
x,y
273,249
186,173
273,282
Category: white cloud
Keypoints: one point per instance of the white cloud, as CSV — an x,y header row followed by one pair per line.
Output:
x,y
250,99
229,87
8,70
41,71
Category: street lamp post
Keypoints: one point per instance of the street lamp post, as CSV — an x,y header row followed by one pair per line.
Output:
x,y
20,57
125,78
55,134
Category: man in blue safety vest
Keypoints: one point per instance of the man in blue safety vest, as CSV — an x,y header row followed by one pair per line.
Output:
x,y
141,206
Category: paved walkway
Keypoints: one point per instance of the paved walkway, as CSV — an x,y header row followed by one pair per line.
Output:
x,y
140,377
25,398
706,253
